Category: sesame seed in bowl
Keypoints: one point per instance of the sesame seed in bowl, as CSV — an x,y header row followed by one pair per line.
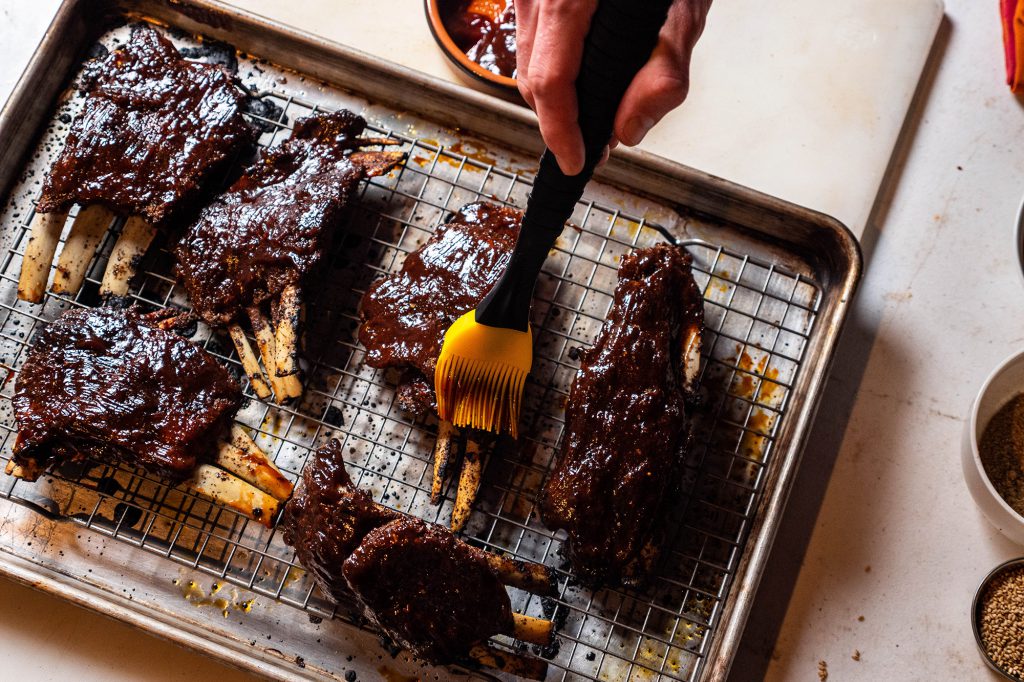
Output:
x,y
998,619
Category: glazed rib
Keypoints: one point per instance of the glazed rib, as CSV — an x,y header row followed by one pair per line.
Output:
x,y
405,315
258,243
328,517
271,228
627,427
108,385
153,129
430,592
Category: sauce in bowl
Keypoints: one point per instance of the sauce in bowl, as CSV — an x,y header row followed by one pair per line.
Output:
x,y
485,30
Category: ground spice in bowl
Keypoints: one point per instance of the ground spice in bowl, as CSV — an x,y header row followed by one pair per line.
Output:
x,y
1002,452
1001,616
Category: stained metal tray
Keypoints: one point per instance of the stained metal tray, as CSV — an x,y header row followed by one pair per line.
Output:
x,y
777,280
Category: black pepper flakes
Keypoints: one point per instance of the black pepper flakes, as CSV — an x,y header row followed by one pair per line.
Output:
x,y
1002,452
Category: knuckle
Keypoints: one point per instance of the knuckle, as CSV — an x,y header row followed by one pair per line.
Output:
x,y
669,89
548,83
660,94
674,90
574,10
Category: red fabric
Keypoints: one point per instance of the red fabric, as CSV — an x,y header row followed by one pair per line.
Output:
x,y
1007,12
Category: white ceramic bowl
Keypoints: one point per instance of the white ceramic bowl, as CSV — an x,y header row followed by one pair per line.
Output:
x,y
1002,384
1019,239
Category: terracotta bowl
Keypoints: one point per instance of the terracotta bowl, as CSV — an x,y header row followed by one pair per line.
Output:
x,y
458,57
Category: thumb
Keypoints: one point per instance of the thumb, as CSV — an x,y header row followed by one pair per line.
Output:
x,y
659,87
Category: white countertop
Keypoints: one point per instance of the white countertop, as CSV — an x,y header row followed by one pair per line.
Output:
x,y
898,540
807,115
893,535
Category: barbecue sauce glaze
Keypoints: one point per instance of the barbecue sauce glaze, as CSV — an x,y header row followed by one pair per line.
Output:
x,y
485,30
152,129
273,225
430,592
626,428
101,383
327,518
405,315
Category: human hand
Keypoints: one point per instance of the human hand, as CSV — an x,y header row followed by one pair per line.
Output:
x,y
549,48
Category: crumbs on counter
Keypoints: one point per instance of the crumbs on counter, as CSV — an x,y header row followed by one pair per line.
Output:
x,y
1002,620
1002,452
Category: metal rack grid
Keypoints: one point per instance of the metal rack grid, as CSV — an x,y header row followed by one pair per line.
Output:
x,y
758,317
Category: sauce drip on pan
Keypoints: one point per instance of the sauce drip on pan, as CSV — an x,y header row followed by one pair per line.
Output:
x,y
485,30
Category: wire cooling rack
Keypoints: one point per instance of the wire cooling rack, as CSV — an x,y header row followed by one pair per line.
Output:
x,y
758,316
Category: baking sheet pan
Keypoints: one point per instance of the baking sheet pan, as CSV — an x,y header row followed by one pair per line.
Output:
x,y
777,281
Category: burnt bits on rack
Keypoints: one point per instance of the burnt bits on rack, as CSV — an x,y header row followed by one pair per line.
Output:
x,y
759,318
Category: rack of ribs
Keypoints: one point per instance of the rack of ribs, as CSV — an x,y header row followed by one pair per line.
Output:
x,y
434,595
626,426
257,243
405,316
116,386
153,131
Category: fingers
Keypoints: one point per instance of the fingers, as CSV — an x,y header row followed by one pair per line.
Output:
x,y
661,85
550,36
612,144
547,72
526,25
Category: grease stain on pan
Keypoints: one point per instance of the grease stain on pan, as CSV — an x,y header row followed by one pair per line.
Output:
x,y
389,675
192,591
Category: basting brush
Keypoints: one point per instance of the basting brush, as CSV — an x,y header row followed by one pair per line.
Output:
x,y
488,352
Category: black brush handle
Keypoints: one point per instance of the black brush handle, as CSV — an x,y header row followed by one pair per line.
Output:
x,y
622,36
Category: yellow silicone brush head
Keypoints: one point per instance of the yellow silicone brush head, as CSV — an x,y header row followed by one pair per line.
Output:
x,y
480,375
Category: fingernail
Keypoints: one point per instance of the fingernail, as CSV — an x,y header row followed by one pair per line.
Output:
x,y
636,128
